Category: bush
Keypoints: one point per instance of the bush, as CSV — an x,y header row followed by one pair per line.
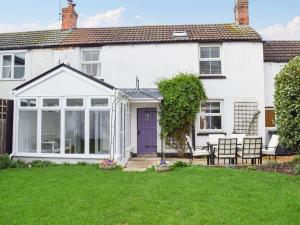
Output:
x,y
6,163
82,163
40,163
180,164
287,104
182,97
296,159
297,170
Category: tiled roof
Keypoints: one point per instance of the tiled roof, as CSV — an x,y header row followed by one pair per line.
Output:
x,y
153,34
33,39
127,35
281,51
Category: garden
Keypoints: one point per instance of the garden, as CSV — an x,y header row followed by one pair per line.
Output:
x,y
45,193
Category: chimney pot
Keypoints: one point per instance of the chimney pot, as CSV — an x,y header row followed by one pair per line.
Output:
x,y
69,16
241,10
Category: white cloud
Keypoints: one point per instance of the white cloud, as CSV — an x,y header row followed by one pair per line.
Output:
x,y
108,18
290,31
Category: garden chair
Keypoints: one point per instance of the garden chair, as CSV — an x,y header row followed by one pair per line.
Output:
x,y
272,148
252,149
227,149
196,153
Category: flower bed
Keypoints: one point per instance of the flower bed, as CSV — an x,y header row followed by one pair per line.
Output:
x,y
108,164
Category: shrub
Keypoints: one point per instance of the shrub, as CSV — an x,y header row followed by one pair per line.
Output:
x,y
287,104
297,169
182,96
180,164
40,163
82,163
5,162
296,159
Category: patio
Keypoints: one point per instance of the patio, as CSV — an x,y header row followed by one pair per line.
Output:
x,y
142,164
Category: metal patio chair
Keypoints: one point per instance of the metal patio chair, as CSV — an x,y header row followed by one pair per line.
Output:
x,y
227,149
196,153
271,149
252,149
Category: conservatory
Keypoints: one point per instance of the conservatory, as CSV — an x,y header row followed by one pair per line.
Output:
x,y
84,121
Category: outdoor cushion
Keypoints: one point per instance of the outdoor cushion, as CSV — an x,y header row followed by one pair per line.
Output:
x,y
224,156
200,153
268,152
249,156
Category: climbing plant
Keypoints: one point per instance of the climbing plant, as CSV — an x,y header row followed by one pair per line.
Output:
x,y
287,104
182,96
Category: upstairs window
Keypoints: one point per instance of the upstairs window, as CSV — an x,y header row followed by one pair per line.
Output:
x,y
90,62
12,66
210,61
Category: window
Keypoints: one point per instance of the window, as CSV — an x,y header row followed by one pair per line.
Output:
x,y
99,102
50,132
74,132
90,62
74,102
27,131
211,117
13,66
28,102
3,109
270,117
51,102
99,132
210,61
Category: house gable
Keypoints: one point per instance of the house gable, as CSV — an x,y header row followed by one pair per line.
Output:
x,y
64,80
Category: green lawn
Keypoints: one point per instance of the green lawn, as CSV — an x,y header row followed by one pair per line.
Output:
x,y
85,195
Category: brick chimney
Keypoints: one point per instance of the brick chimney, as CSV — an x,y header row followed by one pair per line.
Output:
x,y
69,16
241,11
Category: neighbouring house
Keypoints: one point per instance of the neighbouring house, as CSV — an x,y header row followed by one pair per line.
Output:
x,y
76,96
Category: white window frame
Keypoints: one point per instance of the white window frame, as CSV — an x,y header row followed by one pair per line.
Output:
x,y
213,114
12,54
28,107
91,62
211,59
71,108
99,108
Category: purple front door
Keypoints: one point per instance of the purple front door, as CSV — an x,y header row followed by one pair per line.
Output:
x,y
147,131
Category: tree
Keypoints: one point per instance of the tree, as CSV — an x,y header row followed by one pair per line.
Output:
x,y
182,96
287,104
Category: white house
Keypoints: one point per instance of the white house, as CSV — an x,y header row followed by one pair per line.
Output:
x,y
76,95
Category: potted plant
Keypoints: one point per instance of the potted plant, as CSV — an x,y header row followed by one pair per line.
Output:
x,y
108,164
163,166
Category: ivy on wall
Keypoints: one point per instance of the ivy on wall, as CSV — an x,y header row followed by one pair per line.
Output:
x,y
182,97
287,104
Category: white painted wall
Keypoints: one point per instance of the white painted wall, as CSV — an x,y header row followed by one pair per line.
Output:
x,y
271,70
244,70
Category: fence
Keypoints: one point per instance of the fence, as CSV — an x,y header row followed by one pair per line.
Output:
x,y
6,123
2,136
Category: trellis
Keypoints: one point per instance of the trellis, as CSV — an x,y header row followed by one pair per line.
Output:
x,y
246,118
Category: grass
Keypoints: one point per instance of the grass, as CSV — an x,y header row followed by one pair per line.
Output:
x,y
85,195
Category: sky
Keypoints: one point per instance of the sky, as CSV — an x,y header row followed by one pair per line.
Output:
x,y
274,19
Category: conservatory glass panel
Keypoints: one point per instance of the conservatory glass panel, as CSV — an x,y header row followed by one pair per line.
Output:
x,y
99,132
74,132
51,132
27,131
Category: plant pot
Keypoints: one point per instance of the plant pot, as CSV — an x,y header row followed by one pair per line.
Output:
x,y
162,168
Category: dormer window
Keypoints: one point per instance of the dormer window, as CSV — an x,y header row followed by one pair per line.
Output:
x,y
180,34
90,62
